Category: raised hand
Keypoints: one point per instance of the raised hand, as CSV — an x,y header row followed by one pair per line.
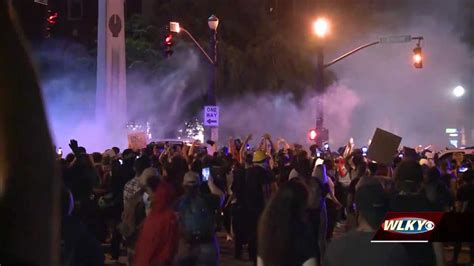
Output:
x,y
73,145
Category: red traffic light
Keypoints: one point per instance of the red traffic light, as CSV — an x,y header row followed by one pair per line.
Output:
x,y
313,134
417,57
52,16
169,39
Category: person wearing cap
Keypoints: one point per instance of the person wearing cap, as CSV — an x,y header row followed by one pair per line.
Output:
x,y
259,183
354,248
197,210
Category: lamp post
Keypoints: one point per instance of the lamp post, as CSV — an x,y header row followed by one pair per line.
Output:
x,y
321,29
213,22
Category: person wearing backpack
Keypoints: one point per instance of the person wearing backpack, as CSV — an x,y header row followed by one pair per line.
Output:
x,y
134,207
197,210
316,183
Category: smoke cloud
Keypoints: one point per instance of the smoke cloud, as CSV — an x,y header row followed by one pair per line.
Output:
x,y
377,87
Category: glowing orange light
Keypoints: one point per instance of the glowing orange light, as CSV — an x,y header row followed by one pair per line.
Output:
x,y
417,58
313,134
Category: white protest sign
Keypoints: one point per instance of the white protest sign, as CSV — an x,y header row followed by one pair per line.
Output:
x,y
211,116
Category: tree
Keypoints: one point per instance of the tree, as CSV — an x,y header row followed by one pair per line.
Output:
x,y
258,53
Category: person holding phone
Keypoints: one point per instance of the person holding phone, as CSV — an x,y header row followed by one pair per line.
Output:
x,y
197,210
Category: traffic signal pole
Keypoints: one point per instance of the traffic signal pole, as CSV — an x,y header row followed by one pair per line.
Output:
x,y
320,138
323,133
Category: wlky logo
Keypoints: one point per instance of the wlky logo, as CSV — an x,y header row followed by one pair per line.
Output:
x,y
408,225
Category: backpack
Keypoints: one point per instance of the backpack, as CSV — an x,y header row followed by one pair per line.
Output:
x,y
133,216
197,220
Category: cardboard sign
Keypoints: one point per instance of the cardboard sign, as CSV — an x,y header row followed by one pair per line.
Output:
x,y
384,147
137,140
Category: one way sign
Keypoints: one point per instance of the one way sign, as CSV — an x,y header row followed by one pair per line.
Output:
x,y
211,116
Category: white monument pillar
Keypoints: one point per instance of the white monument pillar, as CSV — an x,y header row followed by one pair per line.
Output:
x,y
111,101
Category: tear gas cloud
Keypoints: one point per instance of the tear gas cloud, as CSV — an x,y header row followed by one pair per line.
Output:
x,y
377,87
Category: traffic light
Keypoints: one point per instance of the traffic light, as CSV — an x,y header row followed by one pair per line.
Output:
x,y
313,134
168,44
417,57
319,135
51,22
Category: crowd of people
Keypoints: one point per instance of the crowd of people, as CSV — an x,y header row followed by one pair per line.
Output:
x,y
278,203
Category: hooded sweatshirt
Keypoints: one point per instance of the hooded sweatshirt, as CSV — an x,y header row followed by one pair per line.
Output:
x,y
158,240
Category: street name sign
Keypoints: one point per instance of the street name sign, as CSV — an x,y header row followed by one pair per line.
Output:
x,y
395,39
211,116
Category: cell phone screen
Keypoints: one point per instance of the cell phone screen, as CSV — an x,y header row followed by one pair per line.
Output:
x,y
205,174
462,169
319,161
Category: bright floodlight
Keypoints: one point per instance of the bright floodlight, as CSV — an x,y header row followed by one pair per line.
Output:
x,y
321,27
174,27
459,91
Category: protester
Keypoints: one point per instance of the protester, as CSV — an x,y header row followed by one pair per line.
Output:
x,y
239,221
465,203
320,185
251,189
285,237
435,190
159,238
360,171
354,248
257,190
134,210
79,246
408,180
81,177
197,210
448,177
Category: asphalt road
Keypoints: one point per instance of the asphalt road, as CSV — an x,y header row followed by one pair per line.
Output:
x,y
226,251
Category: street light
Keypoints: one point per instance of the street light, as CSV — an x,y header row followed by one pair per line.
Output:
x,y
459,91
213,22
321,27
174,27
211,56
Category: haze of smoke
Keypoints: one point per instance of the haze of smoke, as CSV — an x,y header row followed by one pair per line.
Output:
x,y
69,96
416,104
377,88
281,117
